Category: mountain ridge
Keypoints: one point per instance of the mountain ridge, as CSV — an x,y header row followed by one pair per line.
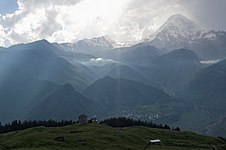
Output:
x,y
64,103
180,32
115,94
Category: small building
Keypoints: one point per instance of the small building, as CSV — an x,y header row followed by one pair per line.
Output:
x,y
152,142
94,119
155,142
83,119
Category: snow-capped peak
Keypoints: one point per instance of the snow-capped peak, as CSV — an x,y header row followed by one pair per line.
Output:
x,y
113,43
181,23
174,32
89,45
98,42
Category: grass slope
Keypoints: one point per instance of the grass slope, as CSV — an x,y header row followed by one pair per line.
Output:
x,y
95,136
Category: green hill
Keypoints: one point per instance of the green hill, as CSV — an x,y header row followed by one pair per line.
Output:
x,y
95,136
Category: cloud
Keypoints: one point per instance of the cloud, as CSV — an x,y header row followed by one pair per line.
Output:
x,y
209,62
208,13
125,21
2,34
60,21
99,62
32,21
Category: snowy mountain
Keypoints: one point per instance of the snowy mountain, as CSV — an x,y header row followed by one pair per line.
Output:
x,y
175,33
180,32
88,45
98,42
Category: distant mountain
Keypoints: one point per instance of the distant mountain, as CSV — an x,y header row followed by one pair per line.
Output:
x,y
114,53
140,55
38,60
18,94
114,94
64,103
171,71
175,33
101,66
129,73
181,32
72,56
207,88
88,45
177,55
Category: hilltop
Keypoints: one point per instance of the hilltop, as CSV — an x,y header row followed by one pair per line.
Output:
x,y
96,136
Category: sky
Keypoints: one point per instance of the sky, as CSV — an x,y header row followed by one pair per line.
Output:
x,y
8,6
125,21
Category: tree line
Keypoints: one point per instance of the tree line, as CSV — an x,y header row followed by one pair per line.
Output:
x,y
113,122
128,122
21,125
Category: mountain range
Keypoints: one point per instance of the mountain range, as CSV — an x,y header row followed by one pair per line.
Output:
x,y
174,74
38,60
181,32
177,32
88,45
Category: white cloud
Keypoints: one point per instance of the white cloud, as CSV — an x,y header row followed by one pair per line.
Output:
x,y
209,62
70,20
99,62
2,34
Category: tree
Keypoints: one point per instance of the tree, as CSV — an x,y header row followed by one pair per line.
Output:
x,y
177,129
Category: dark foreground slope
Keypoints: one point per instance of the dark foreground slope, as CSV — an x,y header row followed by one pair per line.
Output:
x,y
95,136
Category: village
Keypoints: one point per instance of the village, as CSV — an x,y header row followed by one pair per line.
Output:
x,y
141,116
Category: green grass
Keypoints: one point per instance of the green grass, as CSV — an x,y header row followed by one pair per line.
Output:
x,y
95,136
